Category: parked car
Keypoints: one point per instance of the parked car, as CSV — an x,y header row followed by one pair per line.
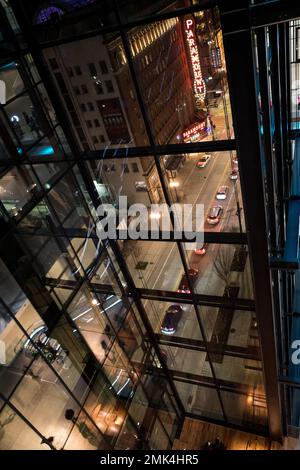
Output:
x,y
234,175
214,215
222,192
171,319
184,285
203,161
202,250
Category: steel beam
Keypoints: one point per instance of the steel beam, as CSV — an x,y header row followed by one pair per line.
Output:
x,y
239,53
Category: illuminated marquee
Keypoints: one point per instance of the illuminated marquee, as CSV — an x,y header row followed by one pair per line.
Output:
x,y
194,132
199,84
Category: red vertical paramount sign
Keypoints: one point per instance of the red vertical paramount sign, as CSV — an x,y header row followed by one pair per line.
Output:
x,y
199,84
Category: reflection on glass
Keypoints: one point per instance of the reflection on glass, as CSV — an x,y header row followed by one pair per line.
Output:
x,y
10,75
246,408
17,187
69,205
223,270
43,400
47,172
38,218
135,178
229,328
47,104
16,434
153,264
106,100
24,120
202,401
84,434
207,179
159,439
188,361
181,71
31,65
242,371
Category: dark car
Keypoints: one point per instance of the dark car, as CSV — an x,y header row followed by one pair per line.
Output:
x,y
171,319
184,286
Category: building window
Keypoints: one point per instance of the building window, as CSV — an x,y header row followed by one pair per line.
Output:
x,y
84,89
53,63
89,124
135,167
90,106
298,44
103,67
98,88
109,86
70,72
92,69
125,168
101,138
76,90
94,139
82,107
77,70
96,123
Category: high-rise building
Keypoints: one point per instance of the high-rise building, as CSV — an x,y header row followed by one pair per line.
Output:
x,y
114,343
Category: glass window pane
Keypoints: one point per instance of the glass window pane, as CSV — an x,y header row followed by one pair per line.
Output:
x,y
128,437
47,104
207,179
13,82
153,264
245,409
17,188
49,171
202,401
222,270
16,434
39,218
173,319
24,120
85,436
119,116
242,371
187,362
158,439
43,401
35,75
181,71
68,203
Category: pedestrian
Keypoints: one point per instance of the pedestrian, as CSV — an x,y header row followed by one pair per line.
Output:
x,y
17,128
26,117
34,126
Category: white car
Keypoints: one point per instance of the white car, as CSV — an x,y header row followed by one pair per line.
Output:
x,y
222,193
203,161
